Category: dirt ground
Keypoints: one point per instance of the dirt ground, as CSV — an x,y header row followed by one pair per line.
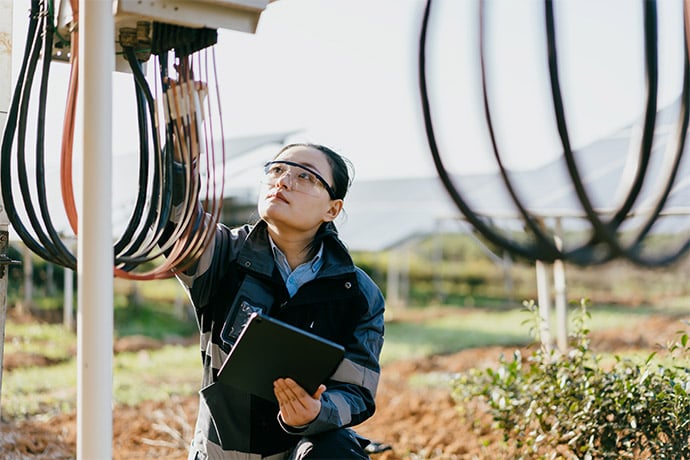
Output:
x,y
417,422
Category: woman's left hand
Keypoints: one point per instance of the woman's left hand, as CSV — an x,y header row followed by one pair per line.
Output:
x,y
297,407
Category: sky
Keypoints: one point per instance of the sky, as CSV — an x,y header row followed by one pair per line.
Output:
x,y
344,73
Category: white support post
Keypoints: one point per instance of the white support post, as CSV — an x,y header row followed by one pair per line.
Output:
x,y
95,262
544,301
5,86
560,296
68,299
68,293
561,305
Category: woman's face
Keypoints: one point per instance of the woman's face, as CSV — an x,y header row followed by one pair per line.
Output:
x,y
286,202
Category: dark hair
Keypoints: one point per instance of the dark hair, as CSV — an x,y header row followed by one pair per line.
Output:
x,y
341,167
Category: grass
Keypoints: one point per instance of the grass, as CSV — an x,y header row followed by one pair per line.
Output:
x,y
451,329
146,375
49,340
453,332
45,390
153,320
176,370
157,374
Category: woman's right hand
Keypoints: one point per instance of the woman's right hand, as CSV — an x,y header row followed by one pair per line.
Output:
x,y
297,407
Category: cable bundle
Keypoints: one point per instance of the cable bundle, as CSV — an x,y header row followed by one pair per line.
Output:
x,y
176,135
605,242
46,242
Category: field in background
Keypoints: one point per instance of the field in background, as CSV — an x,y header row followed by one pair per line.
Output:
x,y
439,270
458,301
453,269
459,314
40,367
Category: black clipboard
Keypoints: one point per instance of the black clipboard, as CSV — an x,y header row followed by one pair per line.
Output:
x,y
268,349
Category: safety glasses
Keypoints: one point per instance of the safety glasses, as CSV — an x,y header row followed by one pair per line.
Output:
x,y
302,178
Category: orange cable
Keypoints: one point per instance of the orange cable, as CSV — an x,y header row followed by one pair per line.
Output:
x,y
67,145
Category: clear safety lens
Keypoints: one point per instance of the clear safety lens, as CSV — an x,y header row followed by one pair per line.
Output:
x,y
302,178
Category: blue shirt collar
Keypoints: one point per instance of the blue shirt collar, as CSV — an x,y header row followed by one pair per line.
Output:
x,y
302,274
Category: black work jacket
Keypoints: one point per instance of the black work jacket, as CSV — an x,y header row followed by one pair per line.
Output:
x,y
341,304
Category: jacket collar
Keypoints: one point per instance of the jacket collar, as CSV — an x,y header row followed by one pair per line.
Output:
x,y
256,255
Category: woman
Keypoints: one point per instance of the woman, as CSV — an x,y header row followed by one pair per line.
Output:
x,y
291,265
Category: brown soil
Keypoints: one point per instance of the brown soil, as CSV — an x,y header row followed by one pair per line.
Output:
x,y
418,422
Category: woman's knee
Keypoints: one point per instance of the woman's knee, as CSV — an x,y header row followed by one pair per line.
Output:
x,y
337,444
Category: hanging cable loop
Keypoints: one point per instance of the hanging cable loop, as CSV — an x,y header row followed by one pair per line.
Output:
x,y
175,130
607,239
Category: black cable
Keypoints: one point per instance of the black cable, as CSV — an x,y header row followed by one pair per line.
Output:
x,y
126,245
142,194
681,136
9,134
530,252
605,233
62,252
632,252
546,245
149,221
159,200
166,163
16,121
604,244
683,121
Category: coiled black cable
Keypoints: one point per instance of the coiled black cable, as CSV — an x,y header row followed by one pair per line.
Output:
x,y
131,250
531,251
148,234
605,242
40,23
59,248
546,246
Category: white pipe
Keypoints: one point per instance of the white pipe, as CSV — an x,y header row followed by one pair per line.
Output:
x,y
544,303
561,305
5,85
68,299
559,286
95,262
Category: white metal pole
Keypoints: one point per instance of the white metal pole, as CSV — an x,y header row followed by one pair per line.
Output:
x,y
560,295
561,305
95,248
68,299
544,301
5,85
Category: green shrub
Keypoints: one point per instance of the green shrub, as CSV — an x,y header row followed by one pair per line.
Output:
x,y
572,406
